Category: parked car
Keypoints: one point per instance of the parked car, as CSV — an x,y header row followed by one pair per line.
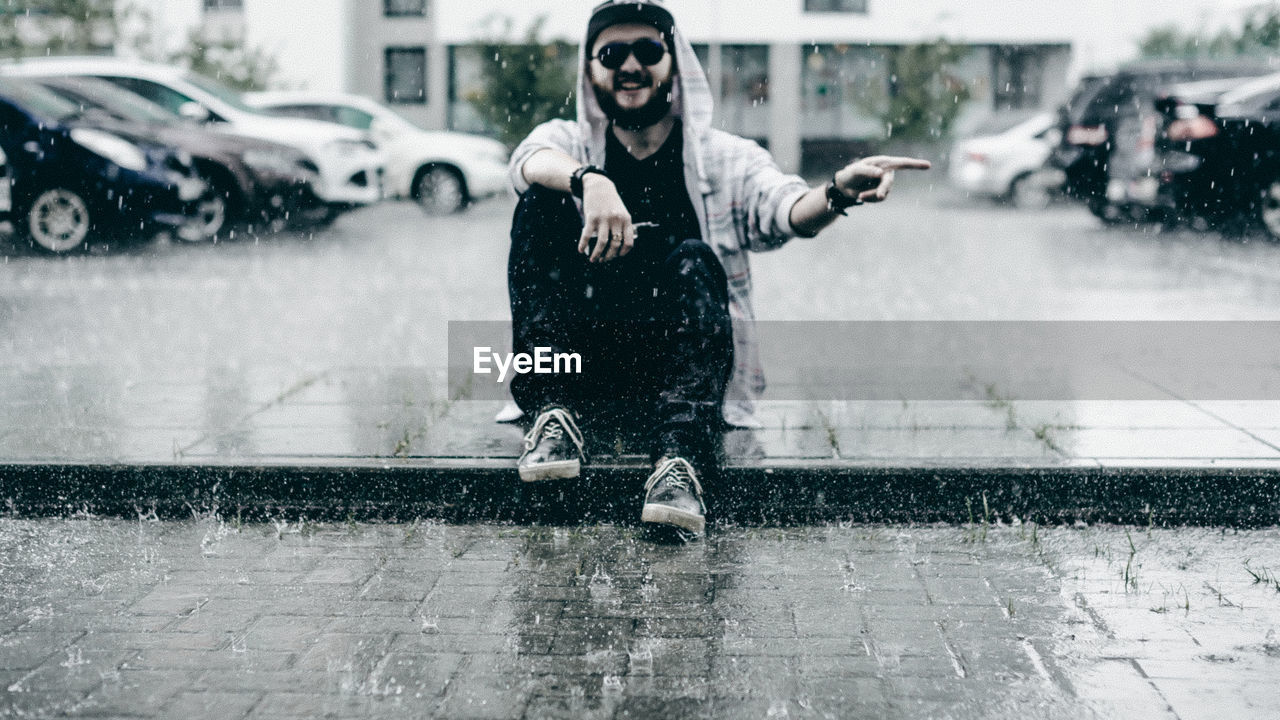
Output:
x,y
1225,148
1200,170
1109,134
1008,162
250,180
443,171
349,166
75,180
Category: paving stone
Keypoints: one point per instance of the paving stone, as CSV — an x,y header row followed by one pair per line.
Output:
x,y
486,697
131,693
26,650
345,653
570,707
645,632
324,705
191,660
211,705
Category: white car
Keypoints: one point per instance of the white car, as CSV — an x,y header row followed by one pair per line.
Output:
x,y
349,166
1009,164
443,171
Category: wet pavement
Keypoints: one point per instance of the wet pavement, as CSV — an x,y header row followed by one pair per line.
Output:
x,y
303,376
331,347
206,618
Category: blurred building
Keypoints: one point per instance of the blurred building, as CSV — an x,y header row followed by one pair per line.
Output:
x,y
787,72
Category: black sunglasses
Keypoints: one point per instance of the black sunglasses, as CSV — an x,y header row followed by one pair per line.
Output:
x,y
647,51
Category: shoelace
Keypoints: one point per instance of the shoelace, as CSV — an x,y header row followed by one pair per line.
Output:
x,y
554,423
678,473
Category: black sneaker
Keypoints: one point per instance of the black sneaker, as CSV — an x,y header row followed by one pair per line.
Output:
x,y
552,448
673,496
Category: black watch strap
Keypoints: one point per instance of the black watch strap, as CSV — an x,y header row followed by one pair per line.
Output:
x,y
575,180
837,201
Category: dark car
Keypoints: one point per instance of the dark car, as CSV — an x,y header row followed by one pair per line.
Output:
x,y
75,180
250,180
1203,174
1229,150
1109,131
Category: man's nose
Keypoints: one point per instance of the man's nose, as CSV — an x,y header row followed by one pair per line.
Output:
x,y
631,65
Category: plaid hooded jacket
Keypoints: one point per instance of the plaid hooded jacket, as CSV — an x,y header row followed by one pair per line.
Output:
x,y
743,200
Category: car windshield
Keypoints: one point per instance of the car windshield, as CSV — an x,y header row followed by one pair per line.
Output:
x,y
39,101
220,91
104,95
394,119
1088,88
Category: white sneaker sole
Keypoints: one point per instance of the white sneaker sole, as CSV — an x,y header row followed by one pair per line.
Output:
x,y
667,515
559,470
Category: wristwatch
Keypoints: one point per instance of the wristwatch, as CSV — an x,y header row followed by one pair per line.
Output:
x,y
575,180
837,201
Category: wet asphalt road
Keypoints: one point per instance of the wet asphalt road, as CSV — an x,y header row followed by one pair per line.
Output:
x,y
378,287
141,618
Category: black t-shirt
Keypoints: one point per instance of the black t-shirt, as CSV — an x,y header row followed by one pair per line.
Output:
x,y
653,189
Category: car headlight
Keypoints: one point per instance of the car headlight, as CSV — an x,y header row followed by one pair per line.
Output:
x,y
113,148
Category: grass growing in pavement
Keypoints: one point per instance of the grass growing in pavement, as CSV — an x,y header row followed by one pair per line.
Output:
x,y
1044,433
1263,576
975,534
1130,575
997,401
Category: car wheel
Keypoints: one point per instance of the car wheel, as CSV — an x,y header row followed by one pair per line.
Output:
x,y
440,190
1269,209
1106,212
57,221
1027,192
210,220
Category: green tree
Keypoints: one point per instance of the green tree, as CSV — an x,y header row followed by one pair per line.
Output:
x,y
56,27
524,83
227,58
923,96
1259,34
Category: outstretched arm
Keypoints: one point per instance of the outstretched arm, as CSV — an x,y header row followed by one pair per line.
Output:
x,y
867,180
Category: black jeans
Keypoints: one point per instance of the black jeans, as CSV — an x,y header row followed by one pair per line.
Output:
x,y
652,328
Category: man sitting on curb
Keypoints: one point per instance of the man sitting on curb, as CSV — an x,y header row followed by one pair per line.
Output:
x,y
628,247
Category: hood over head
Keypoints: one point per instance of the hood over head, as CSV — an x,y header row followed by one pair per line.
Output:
x,y
691,94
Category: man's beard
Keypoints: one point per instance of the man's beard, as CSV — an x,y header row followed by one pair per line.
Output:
x,y
639,118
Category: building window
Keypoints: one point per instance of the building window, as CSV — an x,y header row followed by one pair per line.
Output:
x,y
216,5
844,6
406,75
841,86
744,90
1017,77
466,81
404,8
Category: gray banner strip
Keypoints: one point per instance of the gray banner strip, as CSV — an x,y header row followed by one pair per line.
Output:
x,y
965,360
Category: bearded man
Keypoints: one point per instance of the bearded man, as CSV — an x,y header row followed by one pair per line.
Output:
x,y
629,248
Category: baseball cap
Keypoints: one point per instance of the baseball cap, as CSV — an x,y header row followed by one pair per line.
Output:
x,y
615,12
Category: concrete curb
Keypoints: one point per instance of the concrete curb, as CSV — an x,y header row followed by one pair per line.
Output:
x,y
488,491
